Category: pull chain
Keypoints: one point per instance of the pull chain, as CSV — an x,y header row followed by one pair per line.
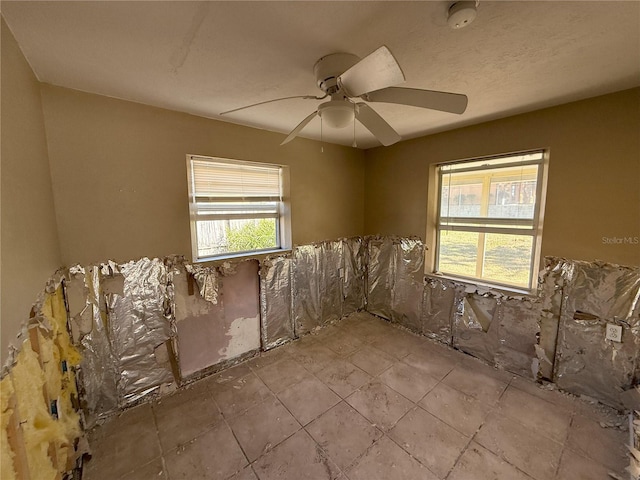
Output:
x,y
321,144
355,145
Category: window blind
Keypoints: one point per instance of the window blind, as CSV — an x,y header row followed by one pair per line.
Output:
x,y
216,181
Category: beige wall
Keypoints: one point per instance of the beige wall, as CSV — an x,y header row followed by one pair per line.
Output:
x,y
29,252
119,176
594,174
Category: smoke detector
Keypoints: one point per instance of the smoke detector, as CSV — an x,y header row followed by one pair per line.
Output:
x,y
461,14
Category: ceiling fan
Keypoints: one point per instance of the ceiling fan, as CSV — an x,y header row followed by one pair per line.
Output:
x,y
345,78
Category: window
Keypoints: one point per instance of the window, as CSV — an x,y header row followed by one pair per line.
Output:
x,y
236,207
488,224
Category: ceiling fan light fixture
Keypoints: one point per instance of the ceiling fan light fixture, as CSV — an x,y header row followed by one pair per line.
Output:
x,y
337,113
461,14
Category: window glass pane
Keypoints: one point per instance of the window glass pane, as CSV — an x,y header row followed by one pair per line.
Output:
x,y
507,258
512,193
217,237
487,225
462,196
458,253
508,192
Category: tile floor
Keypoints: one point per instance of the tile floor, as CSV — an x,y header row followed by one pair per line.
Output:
x,y
362,400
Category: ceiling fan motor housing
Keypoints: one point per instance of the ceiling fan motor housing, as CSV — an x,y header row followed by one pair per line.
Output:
x,y
330,67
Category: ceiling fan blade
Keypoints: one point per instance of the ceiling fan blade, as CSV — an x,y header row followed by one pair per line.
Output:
x,y
375,71
306,97
300,126
376,125
443,101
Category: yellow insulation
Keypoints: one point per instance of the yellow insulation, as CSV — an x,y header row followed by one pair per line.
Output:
x,y
54,310
38,427
38,380
7,471
61,385
50,360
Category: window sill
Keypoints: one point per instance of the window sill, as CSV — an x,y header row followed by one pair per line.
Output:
x,y
241,256
482,287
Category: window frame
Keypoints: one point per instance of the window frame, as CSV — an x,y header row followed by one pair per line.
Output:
x,y
282,214
487,224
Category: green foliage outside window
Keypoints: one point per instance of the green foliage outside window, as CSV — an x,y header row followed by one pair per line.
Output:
x,y
256,235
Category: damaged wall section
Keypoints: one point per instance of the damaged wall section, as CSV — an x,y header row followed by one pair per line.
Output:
x,y
557,334
597,294
148,325
518,333
493,326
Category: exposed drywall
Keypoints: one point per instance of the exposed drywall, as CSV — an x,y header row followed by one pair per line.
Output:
x,y
120,182
593,199
30,251
221,325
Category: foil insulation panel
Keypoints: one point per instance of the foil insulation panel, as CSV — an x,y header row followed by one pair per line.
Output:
x,y
518,330
408,285
79,303
474,328
353,277
550,289
586,362
207,280
380,276
498,328
438,308
328,282
139,326
98,368
306,301
173,264
605,290
331,260
275,301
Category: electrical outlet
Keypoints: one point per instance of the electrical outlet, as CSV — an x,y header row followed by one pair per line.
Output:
x,y
614,332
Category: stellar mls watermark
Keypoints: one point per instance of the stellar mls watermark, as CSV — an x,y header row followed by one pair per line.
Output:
x,y
621,240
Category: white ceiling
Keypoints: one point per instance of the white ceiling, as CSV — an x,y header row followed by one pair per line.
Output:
x,y
207,57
